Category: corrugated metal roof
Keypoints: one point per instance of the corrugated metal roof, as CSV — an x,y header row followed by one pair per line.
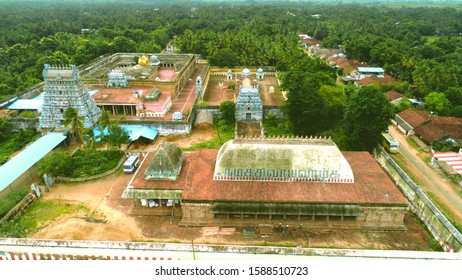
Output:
x,y
370,69
26,104
134,131
15,167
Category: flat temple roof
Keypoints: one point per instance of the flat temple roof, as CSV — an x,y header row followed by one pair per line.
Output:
x,y
15,167
371,186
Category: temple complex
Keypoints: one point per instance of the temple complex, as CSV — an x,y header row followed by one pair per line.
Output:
x,y
64,89
263,182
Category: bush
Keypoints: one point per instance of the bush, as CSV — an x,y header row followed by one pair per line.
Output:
x,y
447,145
80,164
28,114
11,201
274,126
227,110
12,229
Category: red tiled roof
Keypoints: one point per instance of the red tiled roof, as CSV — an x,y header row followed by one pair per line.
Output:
x,y
440,127
369,80
372,185
392,95
414,117
349,65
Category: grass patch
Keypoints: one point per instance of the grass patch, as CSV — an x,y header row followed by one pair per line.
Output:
x,y
412,143
39,215
276,126
399,159
446,212
226,133
11,200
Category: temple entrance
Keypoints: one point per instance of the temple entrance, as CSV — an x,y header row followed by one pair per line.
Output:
x,y
248,117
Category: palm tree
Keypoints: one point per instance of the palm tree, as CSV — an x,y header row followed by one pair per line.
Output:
x,y
104,121
90,139
72,118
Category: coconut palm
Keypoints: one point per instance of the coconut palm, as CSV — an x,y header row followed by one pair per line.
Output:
x,y
72,119
90,140
104,121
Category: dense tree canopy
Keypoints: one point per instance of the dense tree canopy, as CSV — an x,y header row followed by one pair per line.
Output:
x,y
367,115
230,35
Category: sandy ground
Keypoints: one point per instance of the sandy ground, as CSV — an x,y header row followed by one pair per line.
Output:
x,y
429,179
108,218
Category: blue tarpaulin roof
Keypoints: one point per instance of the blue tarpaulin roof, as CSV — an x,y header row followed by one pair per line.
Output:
x,y
134,131
19,164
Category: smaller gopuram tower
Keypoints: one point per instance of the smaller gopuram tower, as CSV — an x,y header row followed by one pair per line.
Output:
x,y
64,89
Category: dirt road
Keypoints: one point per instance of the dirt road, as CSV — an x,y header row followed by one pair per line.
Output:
x,y
430,179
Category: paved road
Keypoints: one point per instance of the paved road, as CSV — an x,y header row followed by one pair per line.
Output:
x,y
430,179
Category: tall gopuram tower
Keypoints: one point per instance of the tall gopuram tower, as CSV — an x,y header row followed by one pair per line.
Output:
x,y
63,89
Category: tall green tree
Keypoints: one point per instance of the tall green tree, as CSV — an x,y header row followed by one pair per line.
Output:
x,y
104,121
368,113
437,102
227,110
117,137
75,122
89,139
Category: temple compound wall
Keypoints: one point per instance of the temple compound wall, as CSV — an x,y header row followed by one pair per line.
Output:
x,y
373,218
442,230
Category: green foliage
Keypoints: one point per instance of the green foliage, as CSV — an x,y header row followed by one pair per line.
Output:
x,y
227,110
72,119
12,229
37,216
117,137
232,86
274,126
10,201
28,114
367,115
447,145
56,164
314,102
5,128
225,132
231,35
224,58
80,164
15,142
437,102
402,105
